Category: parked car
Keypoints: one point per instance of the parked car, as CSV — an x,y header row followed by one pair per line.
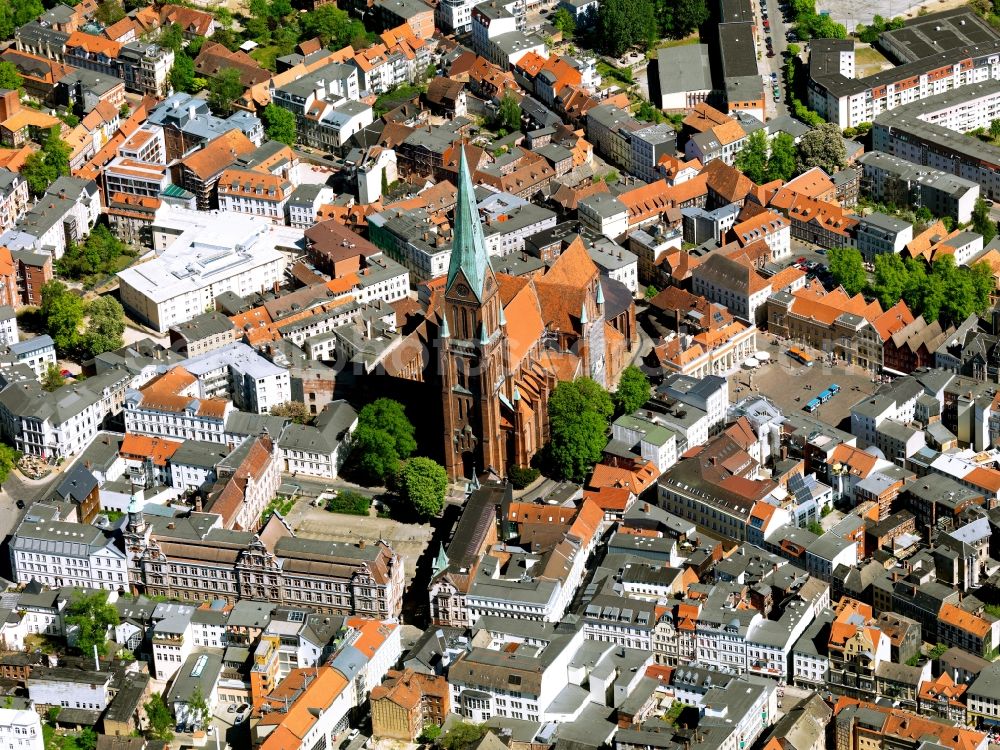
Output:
x,y
352,734
20,504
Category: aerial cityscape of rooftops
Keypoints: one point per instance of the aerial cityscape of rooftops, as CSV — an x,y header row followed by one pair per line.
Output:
x,y
500,375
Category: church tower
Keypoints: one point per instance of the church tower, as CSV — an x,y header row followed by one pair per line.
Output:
x,y
471,347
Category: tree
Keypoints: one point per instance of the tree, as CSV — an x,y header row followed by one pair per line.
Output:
x,y
6,20
981,221
623,24
429,733
91,615
374,456
294,410
633,390
648,113
822,147
109,12
848,269
197,707
37,172
9,77
225,89
678,18
578,424
161,721
86,739
462,736
995,129
752,158
332,25
923,215
279,124
509,113
26,11
983,285
8,460
182,73
106,326
52,378
891,279
815,527
424,483
62,312
565,22
781,163
383,438
172,37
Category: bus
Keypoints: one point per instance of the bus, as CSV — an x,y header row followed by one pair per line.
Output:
x,y
800,356
834,389
812,405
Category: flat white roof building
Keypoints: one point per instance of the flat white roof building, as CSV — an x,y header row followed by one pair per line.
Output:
x,y
203,254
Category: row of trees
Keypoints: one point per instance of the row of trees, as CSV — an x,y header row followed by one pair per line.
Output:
x,y
941,291
800,110
579,415
623,24
63,314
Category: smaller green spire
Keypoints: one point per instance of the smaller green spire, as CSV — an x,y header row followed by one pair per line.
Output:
x,y
503,318
444,332
484,338
583,313
600,293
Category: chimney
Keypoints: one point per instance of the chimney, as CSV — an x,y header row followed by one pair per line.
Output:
x,y
361,544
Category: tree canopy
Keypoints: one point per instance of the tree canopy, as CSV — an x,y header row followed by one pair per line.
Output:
x,y
10,78
625,23
182,74
91,615
579,411
752,158
565,22
823,147
462,736
943,291
424,483
225,89
279,124
100,253
509,113
333,26
44,167
383,438
781,162
632,392
62,312
981,221
848,269
296,411
678,18
105,326
161,721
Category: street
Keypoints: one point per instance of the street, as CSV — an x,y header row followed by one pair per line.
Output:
x,y
776,63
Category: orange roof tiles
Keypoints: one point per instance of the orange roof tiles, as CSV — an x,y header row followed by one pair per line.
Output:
x,y
860,463
94,44
612,476
167,393
218,154
904,726
959,618
141,447
983,478
312,691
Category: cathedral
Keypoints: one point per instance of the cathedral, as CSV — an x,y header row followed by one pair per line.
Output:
x,y
504,342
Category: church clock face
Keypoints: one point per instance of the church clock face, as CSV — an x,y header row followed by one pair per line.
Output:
x,y
462,290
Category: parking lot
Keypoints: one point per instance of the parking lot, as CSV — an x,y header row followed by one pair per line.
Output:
x,y
791,385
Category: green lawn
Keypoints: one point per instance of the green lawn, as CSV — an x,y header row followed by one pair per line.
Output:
x,y
692,39
868,61
266,55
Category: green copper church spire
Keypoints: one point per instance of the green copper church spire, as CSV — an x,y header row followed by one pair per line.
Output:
x,y
468,249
